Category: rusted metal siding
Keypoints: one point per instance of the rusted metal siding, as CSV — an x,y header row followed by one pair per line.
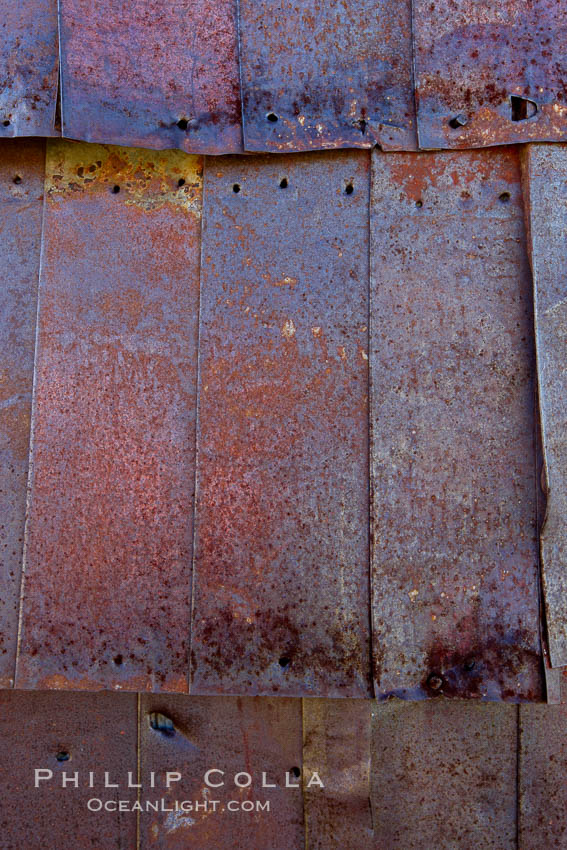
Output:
x,y
454,565
326,75
21,193
542,766
337,747
109,538
490,73
444,775
232,734
66,733
281,551
153,74
28,68
545,174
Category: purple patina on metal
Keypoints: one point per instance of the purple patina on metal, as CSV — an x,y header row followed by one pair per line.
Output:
x,y
326,75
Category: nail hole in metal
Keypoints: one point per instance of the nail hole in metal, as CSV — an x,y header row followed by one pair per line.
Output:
x,y
419,204
522,108
6,123
118,660
296,772
271,117
162,723
63,755
182,123
469,664
181,182
349,189
283,183
504,197
459,120
115,190
17,179
284,661
435,682
236,188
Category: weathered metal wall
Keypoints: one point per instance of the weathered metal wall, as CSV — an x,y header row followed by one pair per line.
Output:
x,y
22,165
106,598
454,566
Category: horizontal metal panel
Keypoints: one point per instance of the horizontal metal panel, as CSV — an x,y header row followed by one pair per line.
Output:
x,y
336,750
454,565
444,775
28,68
66,734
490,73
150,73
281,552
109,541
326,75
235,735
22,166
542,767
545,174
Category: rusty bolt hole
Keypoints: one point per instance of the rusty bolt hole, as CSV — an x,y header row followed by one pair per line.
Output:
x,y
6,123
283,183
181,182
284,661
236,188
504,197
419,204
17,179
271,117
435,682
183,123
458,121
63,755
295,771
118,660
349,189
115,190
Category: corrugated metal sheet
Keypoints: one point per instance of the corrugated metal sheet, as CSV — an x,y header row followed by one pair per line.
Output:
x,y
239,736
489,73
454,569
545,175
281,551
109,536
21,194
326,75
336,749
28,68
153,74
66,734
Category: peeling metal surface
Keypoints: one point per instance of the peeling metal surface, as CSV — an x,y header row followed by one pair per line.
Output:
x,y
326,75
490,73
281,550
545,174
29,68
89,732
444,775
22,166
236,735
106,598
454,563
151,74
337,746
542,769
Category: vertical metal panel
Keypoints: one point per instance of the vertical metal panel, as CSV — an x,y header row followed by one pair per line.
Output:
x,y
235,735
22,166
333,74
28,68
455,585
150,73
542,771
545,175
337,745
490,73
281,557
444,775
108,547
89,732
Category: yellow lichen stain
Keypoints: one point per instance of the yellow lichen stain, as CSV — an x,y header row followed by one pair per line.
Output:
x,y
147,179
